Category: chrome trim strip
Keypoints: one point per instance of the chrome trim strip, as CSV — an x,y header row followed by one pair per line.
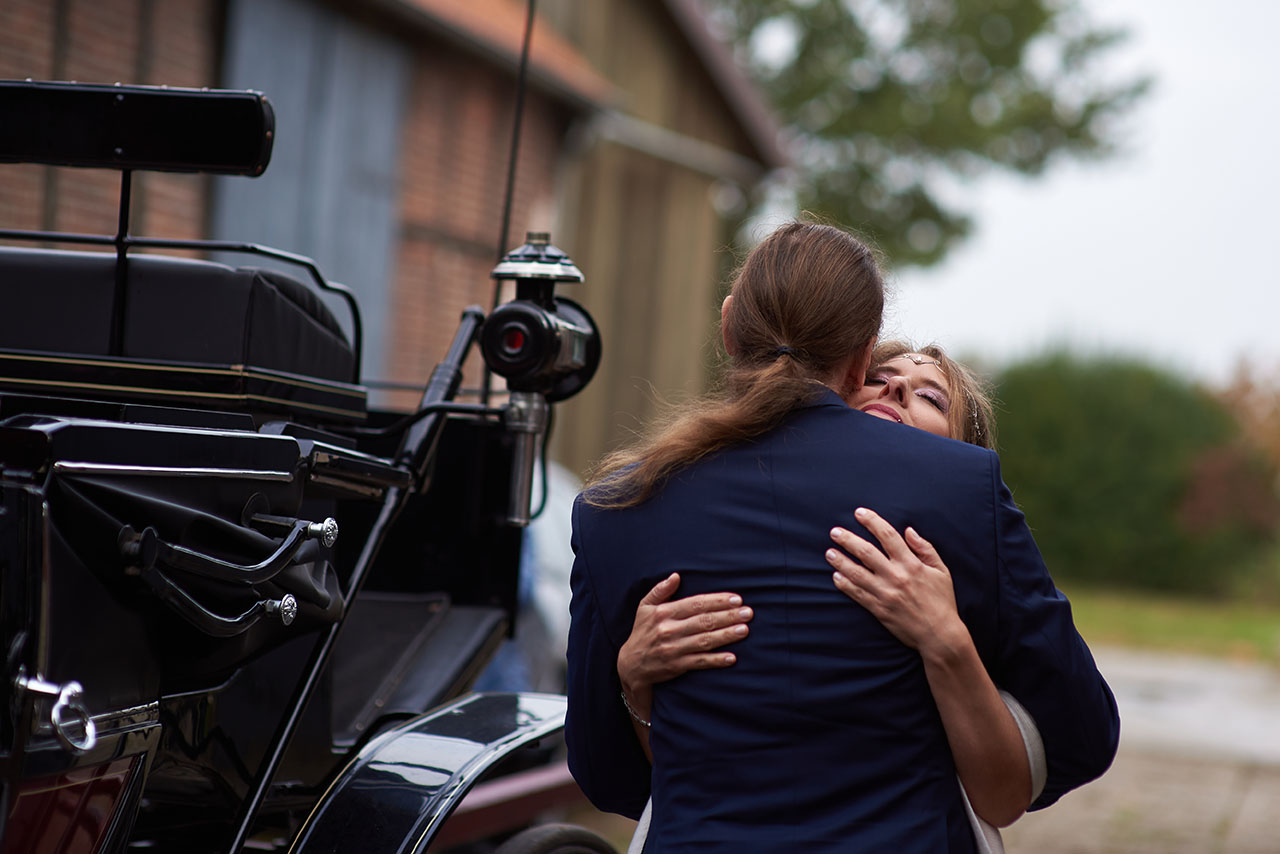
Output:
x,y
355,487
338,451
171,471
116,722
123,720
284,377
182,430
262,398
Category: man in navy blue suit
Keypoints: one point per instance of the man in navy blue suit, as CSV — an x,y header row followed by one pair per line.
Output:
x,y
824,735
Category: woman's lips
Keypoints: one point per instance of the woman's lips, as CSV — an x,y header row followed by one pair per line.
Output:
x,y
882,411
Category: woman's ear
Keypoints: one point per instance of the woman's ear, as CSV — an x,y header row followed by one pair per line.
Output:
x,y
729,346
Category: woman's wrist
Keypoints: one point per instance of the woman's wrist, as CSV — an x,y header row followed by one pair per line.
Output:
x,y
949,645
639,695
640,717
635,683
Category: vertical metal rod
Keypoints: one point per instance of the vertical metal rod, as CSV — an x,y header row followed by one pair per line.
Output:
x,y
419,442
393,502
521,81
521,84
61,48
416,449
118,304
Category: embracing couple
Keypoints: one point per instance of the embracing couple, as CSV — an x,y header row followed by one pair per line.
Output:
x,y
953,687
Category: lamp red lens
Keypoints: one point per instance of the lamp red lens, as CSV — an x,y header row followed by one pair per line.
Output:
x,y
513,340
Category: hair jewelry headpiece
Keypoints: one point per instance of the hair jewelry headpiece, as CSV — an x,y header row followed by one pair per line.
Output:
x,y
917,359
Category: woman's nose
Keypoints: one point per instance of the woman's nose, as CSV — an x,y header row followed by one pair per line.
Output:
x,y
895,388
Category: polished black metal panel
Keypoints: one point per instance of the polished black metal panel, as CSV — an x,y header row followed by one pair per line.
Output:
x,y
135,127
191,657
401,787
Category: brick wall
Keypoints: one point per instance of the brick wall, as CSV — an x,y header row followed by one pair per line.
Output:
x,y
106,41
453,171
457,136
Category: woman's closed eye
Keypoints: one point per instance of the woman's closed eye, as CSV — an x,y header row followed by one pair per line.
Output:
x,y
935,397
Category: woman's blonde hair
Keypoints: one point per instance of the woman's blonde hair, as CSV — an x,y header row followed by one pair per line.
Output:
x,y
805,301
971,417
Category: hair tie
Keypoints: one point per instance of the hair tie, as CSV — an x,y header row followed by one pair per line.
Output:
x,y
784,350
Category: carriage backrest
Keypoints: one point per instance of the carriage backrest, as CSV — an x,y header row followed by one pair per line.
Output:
x,y
176,309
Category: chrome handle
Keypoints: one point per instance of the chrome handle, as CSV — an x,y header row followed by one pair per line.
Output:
x,y
69,714
144,550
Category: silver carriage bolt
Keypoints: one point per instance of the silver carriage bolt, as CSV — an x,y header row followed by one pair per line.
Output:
x,y
326,531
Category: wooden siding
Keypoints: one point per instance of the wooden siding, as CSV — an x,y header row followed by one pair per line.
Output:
x,y
636,45
648,241
642,227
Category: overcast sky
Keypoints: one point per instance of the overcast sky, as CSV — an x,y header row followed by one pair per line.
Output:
x,y
1168,251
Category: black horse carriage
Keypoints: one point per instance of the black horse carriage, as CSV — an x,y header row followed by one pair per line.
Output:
x,y
195,658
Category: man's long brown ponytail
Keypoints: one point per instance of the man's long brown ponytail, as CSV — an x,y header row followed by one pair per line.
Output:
x,y
805,301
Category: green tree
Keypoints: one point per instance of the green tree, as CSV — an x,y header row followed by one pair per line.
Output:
x,y
1131,476
883,98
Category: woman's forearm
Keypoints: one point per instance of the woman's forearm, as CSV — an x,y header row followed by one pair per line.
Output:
x,y
907,587
989,752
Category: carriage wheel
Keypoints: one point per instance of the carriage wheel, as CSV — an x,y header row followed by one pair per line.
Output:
x,y
556,839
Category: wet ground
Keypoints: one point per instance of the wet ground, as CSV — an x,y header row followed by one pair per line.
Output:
x,y
1154,803
1198,771
1192,706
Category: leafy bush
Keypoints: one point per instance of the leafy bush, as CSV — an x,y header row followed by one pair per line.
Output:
x,y
1131,476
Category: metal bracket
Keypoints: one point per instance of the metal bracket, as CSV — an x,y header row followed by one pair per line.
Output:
x,y
68,713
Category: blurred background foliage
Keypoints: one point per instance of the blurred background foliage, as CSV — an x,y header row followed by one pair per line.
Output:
x,y
884,100
1133,477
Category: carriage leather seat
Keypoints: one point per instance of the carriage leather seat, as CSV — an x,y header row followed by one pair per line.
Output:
x,y
176,310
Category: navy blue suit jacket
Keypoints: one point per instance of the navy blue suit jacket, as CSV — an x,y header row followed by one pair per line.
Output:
x,y
824,735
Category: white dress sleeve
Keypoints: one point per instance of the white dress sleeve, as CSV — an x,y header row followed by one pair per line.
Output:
x,y
642,829
987,836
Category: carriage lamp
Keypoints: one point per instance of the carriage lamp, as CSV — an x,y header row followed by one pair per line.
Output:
x,y
545,346
540,342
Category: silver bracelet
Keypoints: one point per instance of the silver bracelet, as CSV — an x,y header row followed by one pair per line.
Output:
x,y
635,716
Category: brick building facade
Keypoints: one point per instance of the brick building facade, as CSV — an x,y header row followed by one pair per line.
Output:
x,y
105,41
394,123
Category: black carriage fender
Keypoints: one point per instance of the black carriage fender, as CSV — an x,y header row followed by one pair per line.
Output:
x,y
399,789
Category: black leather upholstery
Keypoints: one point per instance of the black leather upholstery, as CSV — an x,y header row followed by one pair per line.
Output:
x,y
177,310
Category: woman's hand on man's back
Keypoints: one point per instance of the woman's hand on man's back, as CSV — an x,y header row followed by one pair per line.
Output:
x,y
670,638
906,586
